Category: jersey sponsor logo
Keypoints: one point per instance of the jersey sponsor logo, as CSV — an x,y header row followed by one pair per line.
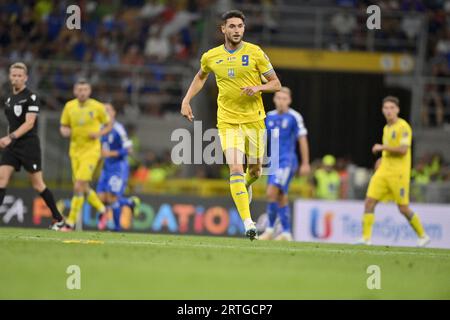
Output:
x,y
33,97
17,110
393,135
219,61
233,58
7,102
284,124
33,108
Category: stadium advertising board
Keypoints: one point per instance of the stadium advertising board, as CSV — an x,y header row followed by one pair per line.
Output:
x,y
159,214
340,222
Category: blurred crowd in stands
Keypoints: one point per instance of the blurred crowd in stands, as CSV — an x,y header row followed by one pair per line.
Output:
x,y
129,43
436,104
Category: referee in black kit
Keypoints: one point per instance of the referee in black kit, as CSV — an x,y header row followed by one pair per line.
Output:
x,y
21,147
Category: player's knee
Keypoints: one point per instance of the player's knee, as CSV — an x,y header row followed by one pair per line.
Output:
x,y
370,205
4,180
39,186
236,169
255,171
405,210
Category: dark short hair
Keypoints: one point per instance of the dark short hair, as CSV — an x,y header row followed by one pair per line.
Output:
x,y
392,99
82,81
233,14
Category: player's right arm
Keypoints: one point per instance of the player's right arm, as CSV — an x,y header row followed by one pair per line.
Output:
x,y
64,128
195,87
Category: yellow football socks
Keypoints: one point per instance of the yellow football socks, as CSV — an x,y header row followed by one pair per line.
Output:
x,y
95,201
75,207
417,225
367,224
249,180
240,195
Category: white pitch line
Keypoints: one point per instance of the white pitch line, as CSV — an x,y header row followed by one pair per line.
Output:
x,y
258,248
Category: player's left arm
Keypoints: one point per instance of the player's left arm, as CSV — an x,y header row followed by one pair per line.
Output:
x,y
305,167
302,137
266,69
105,121
125,147
402,149
30,120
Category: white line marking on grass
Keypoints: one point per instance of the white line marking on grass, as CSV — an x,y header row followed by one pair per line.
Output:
x,y
256,248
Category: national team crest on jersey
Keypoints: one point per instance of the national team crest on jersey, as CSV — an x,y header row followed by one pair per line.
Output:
x,y
17,110
231,73
393,135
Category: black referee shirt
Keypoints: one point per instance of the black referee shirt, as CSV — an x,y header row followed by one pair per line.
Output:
x,y
17,106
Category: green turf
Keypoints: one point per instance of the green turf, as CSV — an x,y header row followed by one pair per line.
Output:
x,y
33,265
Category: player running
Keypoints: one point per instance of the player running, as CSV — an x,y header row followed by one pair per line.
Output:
x,y
288,127
392,178
238,67
84,120
21,145
114,177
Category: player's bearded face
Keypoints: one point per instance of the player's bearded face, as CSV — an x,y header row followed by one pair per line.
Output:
x,y
234,30
17,77
82,92
390,110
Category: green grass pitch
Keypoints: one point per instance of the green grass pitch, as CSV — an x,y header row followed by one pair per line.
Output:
x,y
33,265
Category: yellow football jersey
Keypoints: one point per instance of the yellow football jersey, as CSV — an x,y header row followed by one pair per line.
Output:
x,y
84,120
397,135
233,71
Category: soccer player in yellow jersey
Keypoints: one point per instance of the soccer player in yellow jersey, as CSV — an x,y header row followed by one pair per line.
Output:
x,y
84,120
238,67
392,177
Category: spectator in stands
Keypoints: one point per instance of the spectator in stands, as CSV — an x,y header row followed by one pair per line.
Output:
x,y
327,180
343,24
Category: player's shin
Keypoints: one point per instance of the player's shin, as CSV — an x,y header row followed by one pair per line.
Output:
x,y
272,208
2,195
240,196
367,225
416,224
116,209
75,207
50,201
95,201
284,214
249,178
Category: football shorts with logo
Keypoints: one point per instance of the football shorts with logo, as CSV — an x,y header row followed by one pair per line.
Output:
x,y
389,186
283,176
83,166
114,181
249,138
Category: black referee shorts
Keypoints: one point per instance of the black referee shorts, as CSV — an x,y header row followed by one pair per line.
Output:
x,y
24,152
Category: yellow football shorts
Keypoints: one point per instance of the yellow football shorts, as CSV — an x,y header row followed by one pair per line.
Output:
x,y
249,138
83,167
386,186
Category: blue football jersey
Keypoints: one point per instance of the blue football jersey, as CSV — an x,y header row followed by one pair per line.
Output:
x,y
116,140
286,128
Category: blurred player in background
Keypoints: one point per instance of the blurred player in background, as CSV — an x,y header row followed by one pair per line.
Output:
x,y
21,145
288,127
85,121
114,177
392,177
238,67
